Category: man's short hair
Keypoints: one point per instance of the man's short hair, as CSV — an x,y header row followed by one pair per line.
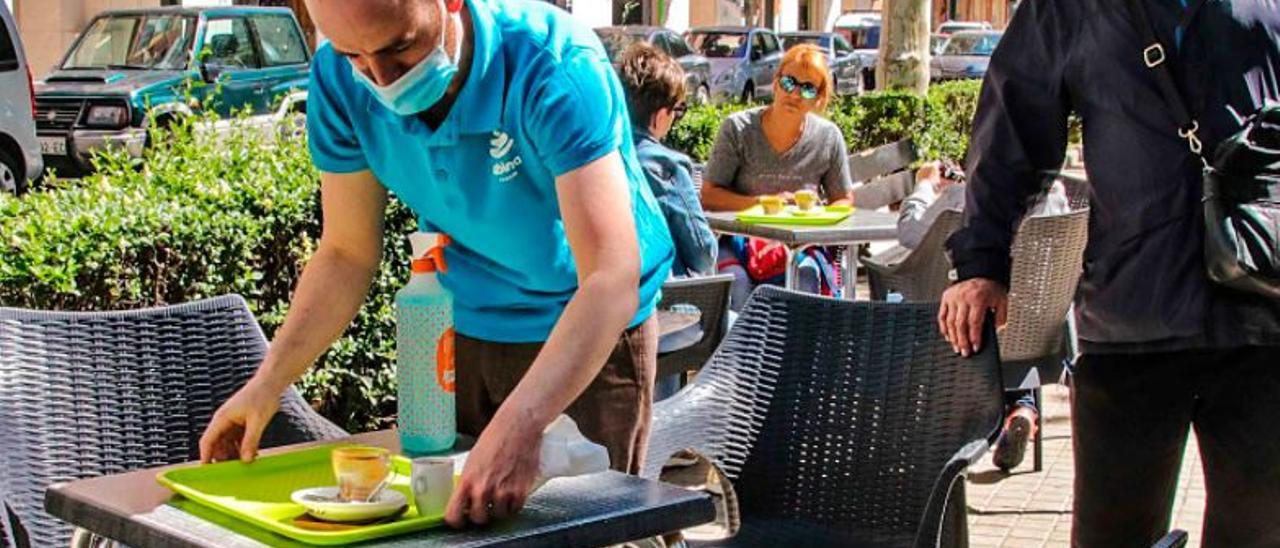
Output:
x,y
652,81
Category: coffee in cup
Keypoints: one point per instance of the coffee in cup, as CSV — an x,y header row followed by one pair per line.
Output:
x,y
360,470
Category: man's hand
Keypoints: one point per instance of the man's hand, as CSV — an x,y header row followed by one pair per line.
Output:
x,y
498,476
964,305
237,426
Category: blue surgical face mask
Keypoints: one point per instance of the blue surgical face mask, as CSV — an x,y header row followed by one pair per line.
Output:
x,y
423,85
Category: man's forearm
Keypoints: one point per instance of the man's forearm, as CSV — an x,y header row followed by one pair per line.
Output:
x,y
332,289
578,347
718,198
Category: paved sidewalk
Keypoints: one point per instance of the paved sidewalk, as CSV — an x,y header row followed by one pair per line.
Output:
x,y
1033,509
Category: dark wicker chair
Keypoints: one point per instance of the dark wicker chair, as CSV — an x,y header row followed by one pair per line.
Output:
x,y
886,173
1047,254
710,295
86,394
919,274
1077,188
838,423
1176,538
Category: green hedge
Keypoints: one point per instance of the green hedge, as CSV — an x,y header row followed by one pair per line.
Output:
x,y
236,214
939,122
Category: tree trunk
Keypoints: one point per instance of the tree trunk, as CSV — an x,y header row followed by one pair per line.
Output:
x,y
904,46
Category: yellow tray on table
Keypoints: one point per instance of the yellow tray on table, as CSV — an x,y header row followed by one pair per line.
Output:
x,y
792,215
259,494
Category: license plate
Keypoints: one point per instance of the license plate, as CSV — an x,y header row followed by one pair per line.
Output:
x,y
53,146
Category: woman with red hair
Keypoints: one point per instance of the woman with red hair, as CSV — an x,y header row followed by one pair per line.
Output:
x,y
779,149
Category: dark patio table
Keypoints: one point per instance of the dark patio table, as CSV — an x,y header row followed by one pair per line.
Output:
x,y
863,226
593,510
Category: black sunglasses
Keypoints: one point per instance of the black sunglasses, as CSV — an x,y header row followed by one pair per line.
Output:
x,y
808,90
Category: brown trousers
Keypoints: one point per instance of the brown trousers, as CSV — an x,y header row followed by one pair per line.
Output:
x,y
614,410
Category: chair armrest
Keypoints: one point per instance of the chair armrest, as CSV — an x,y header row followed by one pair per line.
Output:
x,y
13,533
681,422
945,487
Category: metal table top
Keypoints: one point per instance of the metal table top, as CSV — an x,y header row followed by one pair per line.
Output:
x,y
594,510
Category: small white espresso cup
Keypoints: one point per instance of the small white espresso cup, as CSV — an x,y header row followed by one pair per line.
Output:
x,y
432,484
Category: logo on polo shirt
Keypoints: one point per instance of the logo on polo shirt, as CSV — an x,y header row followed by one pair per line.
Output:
x,y
500,149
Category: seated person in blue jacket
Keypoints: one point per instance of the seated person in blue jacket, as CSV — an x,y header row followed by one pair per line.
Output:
x,y
654,84
779,149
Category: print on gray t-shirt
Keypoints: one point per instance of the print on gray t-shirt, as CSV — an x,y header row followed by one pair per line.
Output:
x,y
743,161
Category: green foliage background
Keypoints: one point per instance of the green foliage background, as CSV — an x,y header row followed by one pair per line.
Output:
x,y
235,213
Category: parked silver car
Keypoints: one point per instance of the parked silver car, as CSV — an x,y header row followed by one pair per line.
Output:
x,y
846,66
743,60
862,30
938,43
20,159
966,55
697,69
951,27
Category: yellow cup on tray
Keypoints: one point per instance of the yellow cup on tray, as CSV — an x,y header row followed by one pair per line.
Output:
x,y
806,199
772,204
360,470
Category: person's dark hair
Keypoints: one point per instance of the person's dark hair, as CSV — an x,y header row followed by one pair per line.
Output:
x,y
652,81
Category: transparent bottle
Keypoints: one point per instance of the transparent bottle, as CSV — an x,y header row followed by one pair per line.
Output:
x,y
427,416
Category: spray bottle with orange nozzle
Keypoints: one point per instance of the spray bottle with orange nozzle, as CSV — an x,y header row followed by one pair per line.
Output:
x,y
427,419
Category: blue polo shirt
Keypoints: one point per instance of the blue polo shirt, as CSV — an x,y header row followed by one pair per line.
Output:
x,y
541,100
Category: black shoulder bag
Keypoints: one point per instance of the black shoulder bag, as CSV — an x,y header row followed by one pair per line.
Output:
x,y
1241,181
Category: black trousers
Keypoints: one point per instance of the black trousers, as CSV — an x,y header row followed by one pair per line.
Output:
x,y
1130,418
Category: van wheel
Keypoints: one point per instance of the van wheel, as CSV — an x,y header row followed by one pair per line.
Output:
x,y
162,123
13,178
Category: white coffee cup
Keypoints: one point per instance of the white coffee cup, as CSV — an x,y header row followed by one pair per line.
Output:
x,y
432,484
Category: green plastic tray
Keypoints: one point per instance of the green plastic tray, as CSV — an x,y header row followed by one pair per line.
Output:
x,y
829,216
258,493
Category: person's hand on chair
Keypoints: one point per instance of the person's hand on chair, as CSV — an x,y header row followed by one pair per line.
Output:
x,y
964,306
236,428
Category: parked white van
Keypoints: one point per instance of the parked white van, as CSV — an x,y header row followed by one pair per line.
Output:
x,y
20,159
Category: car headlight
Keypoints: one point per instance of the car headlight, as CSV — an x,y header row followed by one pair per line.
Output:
x,y
107,116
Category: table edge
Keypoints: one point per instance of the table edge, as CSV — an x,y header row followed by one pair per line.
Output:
x,y
123,528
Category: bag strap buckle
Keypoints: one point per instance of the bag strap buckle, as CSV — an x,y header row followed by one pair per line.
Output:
x,y
1153,55
1193,140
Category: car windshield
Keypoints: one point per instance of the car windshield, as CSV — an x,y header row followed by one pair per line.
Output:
x,y
134,42
615,41
793,40
972,44
721,44
865,37
937,44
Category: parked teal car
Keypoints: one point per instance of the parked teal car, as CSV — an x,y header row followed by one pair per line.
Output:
x,y
132,66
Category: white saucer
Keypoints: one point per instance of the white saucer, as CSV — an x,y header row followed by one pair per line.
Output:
x,y
323,503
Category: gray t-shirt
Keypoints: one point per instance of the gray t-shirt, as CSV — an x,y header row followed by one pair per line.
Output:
x,y
743,161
